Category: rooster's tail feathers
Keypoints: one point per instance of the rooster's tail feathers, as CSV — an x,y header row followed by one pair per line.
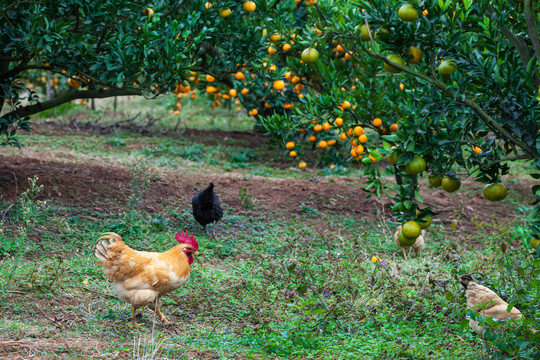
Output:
x,y
102,246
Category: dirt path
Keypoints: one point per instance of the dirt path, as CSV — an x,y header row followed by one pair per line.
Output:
x,y
106,188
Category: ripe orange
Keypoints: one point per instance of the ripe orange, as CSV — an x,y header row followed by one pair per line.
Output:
x,y
278,85
207,5
295,79
317,128
343,136
339,122
415,55
239,76
394,127
293,154
286,47
476,149
302,164
362,138
74,83
211,89
377,122
274,37
358,130
289,145
395,59
272,50
407,12
326,126
495,192
249,6
253,112
331,142
345,104
210,78
233,93
244,91
148,11
359,149
310,56
267,105
224,13
323,144
402,86
287,106
312,138
450,184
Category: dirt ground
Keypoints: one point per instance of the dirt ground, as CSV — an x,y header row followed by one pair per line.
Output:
x,y
104,188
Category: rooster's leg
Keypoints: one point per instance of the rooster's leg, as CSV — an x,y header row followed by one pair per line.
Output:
x,y
214,229
134,315
161,316
404,253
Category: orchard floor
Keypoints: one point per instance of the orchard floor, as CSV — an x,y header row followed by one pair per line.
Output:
x,y
243,300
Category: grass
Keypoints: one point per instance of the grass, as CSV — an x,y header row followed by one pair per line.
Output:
x,y
274,284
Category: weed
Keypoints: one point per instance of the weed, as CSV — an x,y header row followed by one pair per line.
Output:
x,y
247,199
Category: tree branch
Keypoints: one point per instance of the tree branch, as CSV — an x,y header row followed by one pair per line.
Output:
x,y
450,93
532,26
64,98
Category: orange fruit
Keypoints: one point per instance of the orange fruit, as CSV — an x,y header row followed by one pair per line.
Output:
x,y
207,5
317,128
211,89
402,86
377,122
293,154
395,59
362,138
331,142
394,127
323,144
274,37
239,76
210,78
358,130
414,54
345,104
302,164
289,145
312,138
407,12
359,149
411,230
286,47
148,11
339,122
224,13
244,91
326,126
295,79
476,149
272,50
249,6
233,93
435,180
310,56
74,83
416,166
278,85
450,184
343,136
495,192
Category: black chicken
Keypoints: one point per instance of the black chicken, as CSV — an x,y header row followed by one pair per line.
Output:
x,y
206,208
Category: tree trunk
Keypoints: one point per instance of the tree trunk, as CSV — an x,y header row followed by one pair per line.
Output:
x,y
49,91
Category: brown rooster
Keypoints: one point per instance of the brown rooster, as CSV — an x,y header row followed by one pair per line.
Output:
x,y
141,278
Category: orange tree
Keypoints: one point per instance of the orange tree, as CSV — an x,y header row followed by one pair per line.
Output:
x,y
98,49
457,82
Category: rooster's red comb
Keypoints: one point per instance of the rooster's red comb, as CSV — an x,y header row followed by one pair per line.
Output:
x,y
185,238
